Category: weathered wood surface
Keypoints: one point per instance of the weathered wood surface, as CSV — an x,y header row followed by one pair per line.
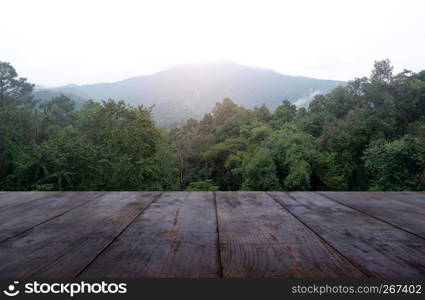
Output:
x,y
413,198
259,239
15,198
376,247
384,207
65,245
176,237
212,234
17,219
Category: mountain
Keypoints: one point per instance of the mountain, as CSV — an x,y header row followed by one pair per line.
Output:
x,y
44,94
199,86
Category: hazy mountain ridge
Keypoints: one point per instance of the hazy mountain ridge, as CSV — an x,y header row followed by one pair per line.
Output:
x,y
200,86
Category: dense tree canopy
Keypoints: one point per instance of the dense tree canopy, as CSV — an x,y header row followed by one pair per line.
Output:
x,y
12,89
367,135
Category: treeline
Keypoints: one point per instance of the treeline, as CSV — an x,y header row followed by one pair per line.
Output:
x,y
367,135
103,146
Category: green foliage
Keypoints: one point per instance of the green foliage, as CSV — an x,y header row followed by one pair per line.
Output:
x,y
382,72
394,165
104,146
293,152
216,157
172,114
228,118
283,114
330,171
367,135
206,185
14,91
259,172
329,146
299,176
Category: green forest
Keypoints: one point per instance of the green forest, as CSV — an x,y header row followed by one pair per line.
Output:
x,y
366,135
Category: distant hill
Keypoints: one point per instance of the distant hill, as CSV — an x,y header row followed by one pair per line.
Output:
x,y
44,94
200,86
172,113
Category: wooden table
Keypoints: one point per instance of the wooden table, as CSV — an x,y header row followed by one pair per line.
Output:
x,y
212,234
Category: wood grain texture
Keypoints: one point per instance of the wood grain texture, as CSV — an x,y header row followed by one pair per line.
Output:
x,y
65,245
16,198
176,234
413,198
260,239
175,237
20,218
382,206
379,249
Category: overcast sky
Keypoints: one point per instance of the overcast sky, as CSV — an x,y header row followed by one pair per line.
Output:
x,y
61,42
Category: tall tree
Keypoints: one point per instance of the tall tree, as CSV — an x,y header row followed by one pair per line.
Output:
x,y
12,87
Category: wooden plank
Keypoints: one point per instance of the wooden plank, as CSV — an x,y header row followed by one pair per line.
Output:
x,y
260,239
17,198
379,249
175,237
20,218
413,198
384,207
64,246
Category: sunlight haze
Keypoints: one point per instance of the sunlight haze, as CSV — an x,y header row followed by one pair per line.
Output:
x,y
62,42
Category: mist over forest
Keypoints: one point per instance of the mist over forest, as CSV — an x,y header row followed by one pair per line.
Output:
x,y
213,131
190,91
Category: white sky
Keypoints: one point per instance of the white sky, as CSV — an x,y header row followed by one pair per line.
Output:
x,y
61,42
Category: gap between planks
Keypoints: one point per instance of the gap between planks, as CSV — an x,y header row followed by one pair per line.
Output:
x,y
53,217
21,201
377,247
353,263
219,260
367,214
175,237
117,236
